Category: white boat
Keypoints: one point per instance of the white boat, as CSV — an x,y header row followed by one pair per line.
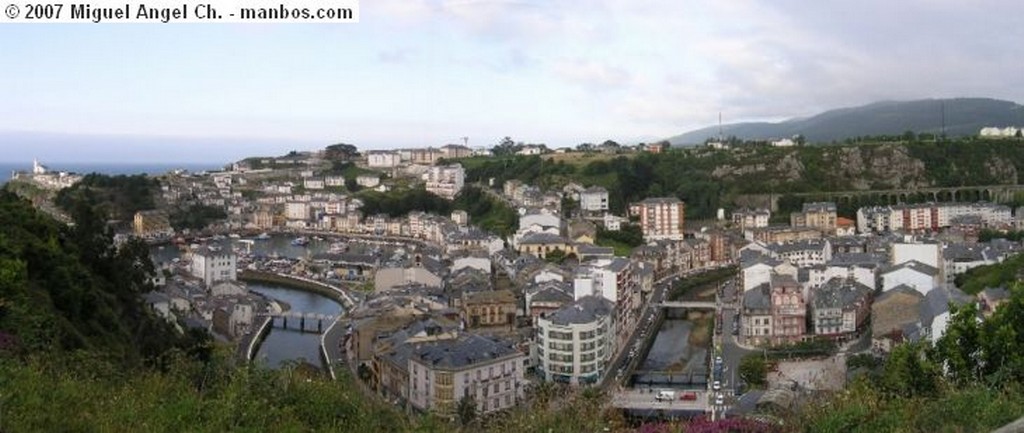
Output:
x,y
300,241
263,236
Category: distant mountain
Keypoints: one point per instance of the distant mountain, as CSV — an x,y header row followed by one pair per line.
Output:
x,y
964,116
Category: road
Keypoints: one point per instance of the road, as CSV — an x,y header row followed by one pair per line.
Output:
x,y
731,353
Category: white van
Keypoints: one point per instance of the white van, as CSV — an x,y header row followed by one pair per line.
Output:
x,y
665,396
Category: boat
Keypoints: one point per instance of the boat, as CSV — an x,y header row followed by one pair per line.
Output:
x,y
300,241
338,247
235,236
263,236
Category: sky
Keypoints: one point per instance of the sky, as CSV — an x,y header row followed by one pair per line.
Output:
x,y
418,73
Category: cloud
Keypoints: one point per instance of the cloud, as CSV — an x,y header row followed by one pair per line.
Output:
x,y
592,74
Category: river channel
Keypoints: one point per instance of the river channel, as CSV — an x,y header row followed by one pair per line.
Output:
x,y
674,349
285,345
281,346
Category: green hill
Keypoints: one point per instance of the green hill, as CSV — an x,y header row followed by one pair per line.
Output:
x,y
961,116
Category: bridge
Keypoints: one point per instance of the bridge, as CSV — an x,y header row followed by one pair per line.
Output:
x,y
690,305
299,320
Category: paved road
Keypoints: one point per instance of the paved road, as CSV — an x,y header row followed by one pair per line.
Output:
x,y
732,353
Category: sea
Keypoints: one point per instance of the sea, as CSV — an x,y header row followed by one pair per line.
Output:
x,y
113,168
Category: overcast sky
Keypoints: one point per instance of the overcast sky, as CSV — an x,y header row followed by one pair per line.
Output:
x,y
428,72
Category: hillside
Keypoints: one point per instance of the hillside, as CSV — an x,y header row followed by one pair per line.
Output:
x,y
963,117
708,179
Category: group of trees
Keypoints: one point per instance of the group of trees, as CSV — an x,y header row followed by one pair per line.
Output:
x,y
118,197
68,288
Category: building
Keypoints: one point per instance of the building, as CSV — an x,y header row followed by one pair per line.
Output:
x,y
594,199
751,218
382,159
445,371
150,223
895,316
368,180
212,265
574,343
840,307
460,217
489,308
773,234
296,211
820,215
661,218
774,312
313,183
445,181
996,132
923,217
455,151
914,274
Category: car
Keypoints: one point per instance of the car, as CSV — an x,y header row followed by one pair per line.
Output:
x,y
718,360
719,399
717,385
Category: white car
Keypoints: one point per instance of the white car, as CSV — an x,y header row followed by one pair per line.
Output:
x,y
716,386
719,399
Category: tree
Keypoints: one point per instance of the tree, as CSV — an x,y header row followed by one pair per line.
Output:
x,y
341,152
908,373
557,256
960,348
466,410
754,370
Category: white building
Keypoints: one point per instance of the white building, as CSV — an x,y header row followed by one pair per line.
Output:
x,y
368,180
313,183
913,274
574,343
751,218
445,181
212,265
785,142
297,211
594,199
382,159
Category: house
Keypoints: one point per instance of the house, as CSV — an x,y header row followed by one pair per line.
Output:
x,y
840,307
542,244
774,312
915,274
417,269
613,222
382,159
594,199
544,297
802,253
895,315
746,218
211,264
582,231
820,215
368,180
150,223
488,308
991,298
445,181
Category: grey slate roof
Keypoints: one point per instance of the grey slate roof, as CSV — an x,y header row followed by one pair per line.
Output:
x,y
863,260
462,351
758,298
585,310
915,265
839,293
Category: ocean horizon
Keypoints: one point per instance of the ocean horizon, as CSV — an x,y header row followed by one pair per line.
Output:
x,y
110,168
